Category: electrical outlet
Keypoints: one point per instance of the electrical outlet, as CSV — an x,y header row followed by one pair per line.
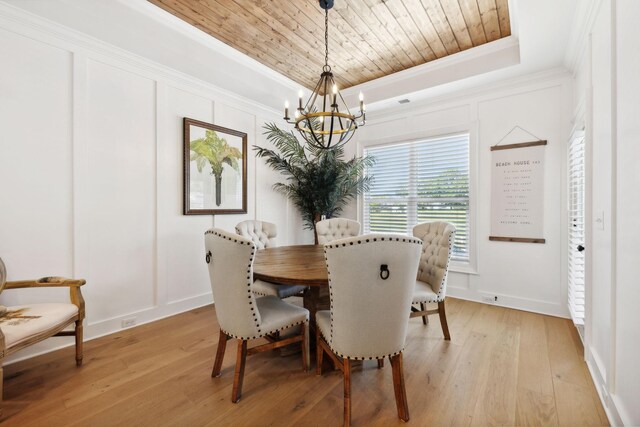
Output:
x,y
490,299
128,322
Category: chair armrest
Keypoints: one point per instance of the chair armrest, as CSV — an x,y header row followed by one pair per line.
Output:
x,y
75,293
45,282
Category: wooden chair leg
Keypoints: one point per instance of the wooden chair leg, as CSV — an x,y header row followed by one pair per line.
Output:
x,y
319,352
443,321
304,331
222,346
380,363
241,361
79,343
347,392
399,388
425,319
1,386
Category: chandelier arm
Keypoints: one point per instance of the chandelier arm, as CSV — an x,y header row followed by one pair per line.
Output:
x,y
315,142
331,131
312,99
344,103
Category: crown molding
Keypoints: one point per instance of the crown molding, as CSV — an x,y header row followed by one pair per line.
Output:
x,y
162,16
36,27
482,59
545,78
581,27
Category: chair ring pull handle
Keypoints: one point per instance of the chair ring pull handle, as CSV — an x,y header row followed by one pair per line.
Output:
x,y
208,257
384,271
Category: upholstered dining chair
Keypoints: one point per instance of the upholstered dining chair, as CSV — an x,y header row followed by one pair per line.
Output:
x,y
263,234
431,284
371,281
25,325
332,229
240,314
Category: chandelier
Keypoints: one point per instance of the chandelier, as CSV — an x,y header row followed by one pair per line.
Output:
x,y
325,121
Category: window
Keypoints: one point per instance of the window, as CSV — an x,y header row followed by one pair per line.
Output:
x,y
576,259
426,180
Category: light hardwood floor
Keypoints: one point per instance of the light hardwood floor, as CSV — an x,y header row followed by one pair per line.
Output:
x,y
502,367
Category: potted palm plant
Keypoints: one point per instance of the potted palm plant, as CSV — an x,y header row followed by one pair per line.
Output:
x,y
216,151
318,182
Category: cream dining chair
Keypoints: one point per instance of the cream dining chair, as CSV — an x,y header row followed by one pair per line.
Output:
x,y
332,229
263,234
431,284
240,314
371,281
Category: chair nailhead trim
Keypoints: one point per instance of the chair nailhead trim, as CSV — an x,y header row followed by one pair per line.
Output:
x,y
358,357
250,297
262,334
360,242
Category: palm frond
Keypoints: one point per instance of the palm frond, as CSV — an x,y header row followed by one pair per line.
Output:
x,y
318,182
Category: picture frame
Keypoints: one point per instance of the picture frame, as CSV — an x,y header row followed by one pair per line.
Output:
x,y
214,169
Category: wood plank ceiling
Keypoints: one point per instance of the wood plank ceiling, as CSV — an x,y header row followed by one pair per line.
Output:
x,y
368,39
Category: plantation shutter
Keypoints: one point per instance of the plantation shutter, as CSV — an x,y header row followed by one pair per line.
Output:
x,y
576,230
420,181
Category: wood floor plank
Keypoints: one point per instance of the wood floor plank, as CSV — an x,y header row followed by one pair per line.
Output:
x,y
496,405
535,395
501,367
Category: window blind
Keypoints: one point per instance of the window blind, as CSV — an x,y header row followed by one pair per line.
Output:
x,y
421,181
576,230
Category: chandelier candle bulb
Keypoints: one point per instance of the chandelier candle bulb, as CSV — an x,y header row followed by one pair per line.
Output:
x,y
322,122
286,110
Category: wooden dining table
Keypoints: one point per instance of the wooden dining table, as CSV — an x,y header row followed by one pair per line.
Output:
x,y
297,265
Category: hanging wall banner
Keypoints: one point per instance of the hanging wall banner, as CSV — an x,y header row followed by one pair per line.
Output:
x,y
517,192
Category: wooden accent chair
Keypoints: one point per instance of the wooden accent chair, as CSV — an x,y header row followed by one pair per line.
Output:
x,y
263,235
240,314
25,325
431,284
371,281
332,229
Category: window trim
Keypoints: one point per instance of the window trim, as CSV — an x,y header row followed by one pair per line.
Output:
x,y
470,267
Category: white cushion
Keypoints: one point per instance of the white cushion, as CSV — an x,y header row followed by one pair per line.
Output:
x,y
336,228
240,314
277,314
35,319
263,288
424,293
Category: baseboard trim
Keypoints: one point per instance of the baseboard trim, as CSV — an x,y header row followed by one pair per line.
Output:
x,y
113,325
609,402
534,306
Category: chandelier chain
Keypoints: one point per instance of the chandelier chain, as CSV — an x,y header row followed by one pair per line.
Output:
x,y
326,37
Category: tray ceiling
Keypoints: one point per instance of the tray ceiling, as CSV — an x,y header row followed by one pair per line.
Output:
x,y
368,39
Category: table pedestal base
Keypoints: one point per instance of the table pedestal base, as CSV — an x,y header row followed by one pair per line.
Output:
x,y
315,298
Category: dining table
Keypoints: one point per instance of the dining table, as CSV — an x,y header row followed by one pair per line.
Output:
x,y
297,265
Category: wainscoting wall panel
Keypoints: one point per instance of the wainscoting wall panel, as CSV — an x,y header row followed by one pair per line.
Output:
x,y
92,187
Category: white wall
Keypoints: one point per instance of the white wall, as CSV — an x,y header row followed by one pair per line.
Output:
x,y
91,175
525,276
627,296
606,102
